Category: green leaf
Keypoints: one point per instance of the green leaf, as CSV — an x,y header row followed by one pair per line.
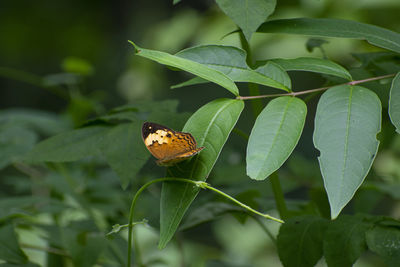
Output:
x,y
311,64
248,14
189,66
385,241
69,146
43,122
394,102
232,62
347,121
193,81
375,35
344,240
210,126
124,151
9,247
300,241
274,136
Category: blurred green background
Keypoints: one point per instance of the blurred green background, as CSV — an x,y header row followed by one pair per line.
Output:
x,y
72,58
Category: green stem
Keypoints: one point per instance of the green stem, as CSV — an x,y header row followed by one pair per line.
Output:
x,y
199,184
241,133
256,104
278,194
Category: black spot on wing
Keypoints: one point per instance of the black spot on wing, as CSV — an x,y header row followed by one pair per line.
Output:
x,y
151,127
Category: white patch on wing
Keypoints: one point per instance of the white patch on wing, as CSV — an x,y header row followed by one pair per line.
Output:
x,y
157,137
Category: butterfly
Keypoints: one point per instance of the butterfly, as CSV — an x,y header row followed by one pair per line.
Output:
x,y
167,145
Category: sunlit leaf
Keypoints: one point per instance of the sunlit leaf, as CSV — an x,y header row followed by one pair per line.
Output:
x,y
346,124
317,65
210,126
274,136
232,62
189,66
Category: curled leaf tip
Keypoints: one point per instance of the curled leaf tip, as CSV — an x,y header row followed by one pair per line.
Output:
x,y
137,50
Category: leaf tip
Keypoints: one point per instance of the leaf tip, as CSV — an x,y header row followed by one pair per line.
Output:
x,y
137,50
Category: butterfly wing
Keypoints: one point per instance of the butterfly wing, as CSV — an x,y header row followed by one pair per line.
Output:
x,y
167,145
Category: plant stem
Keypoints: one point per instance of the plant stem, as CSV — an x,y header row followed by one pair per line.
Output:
x,y
200,184
278,194
254,90
251,97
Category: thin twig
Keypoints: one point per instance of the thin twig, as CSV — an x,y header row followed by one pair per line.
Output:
x,y
317,89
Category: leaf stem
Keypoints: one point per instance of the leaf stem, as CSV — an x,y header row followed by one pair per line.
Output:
x,y
200,184
316,89
278,195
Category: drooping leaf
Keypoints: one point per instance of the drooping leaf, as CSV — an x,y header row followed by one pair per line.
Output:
x,y
385,241
317,65
189,66
274,136
344,240
394,102
247,14
300,241
232,62
210,126
347,121
323,27
124,151
9,247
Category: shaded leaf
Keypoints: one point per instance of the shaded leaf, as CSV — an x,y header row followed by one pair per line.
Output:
x,y
300,241
43,122
344,240
385,241
210,126
323,27
9,247
189,66
69,146
274,136
124,151
347,121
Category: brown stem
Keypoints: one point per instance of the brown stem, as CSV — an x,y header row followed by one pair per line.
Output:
x,y
317,89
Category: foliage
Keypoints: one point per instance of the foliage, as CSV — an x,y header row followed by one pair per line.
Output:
x,y
70,178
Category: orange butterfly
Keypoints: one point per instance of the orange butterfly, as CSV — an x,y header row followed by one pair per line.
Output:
x,y
168,146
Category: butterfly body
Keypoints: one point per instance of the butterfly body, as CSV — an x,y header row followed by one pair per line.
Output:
x,y
167,145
